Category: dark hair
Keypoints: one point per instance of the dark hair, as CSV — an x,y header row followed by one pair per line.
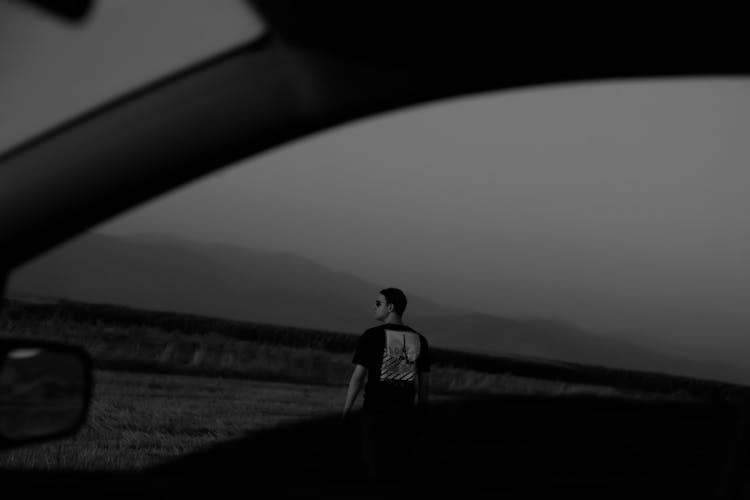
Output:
x,y
396,297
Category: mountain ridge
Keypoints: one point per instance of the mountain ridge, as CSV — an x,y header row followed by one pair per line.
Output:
x,y
159,272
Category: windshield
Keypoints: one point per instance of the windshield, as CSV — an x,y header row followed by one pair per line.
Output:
x,y
54,70
615,208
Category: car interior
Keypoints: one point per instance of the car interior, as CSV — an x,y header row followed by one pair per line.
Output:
x,y
314,67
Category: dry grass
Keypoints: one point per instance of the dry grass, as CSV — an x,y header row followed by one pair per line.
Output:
x,y
141,419
138,419
177,390
129,345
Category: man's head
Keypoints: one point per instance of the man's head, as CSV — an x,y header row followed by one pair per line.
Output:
x,y
390,304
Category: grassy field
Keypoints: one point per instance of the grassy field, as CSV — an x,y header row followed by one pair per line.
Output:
x,y
140,419
169,384
132,340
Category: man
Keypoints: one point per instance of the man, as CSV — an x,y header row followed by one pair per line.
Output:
x,y
394,360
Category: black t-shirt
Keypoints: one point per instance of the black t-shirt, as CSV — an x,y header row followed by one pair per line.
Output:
x,y
394,355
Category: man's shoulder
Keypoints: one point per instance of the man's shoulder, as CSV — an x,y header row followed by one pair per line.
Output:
x,y
373,330
381,329
372,333
403,328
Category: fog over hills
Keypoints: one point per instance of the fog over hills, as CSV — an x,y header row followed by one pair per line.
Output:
x,y
164,273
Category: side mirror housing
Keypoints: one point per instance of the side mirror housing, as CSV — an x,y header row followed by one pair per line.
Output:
x,y
45,390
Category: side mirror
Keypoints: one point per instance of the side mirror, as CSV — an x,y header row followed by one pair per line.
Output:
x,y
45,390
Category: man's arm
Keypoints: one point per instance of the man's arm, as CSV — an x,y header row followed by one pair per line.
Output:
x,y
356,382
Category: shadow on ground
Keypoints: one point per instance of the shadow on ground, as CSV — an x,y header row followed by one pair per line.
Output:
x,y
519,446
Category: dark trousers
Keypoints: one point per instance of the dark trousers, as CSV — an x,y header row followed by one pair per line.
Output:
x,y
389,441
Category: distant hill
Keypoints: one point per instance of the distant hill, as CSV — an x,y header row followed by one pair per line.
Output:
x,y
163,273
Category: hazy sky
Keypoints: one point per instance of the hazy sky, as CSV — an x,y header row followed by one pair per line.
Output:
x,y
620,206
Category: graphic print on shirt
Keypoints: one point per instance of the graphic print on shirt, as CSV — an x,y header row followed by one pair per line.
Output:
x,y
400,357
